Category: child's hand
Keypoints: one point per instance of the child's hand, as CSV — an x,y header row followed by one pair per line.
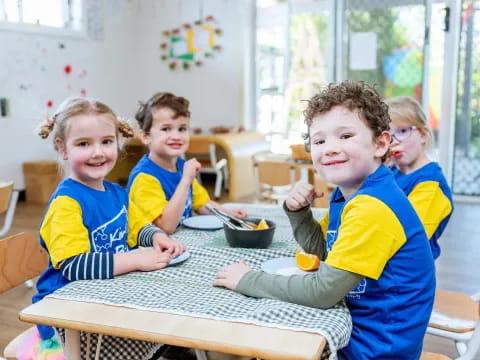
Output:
x,y
240,213
229,276
162,242
191,169
150,259
302,195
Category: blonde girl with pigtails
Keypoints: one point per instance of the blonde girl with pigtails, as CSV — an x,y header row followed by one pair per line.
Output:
x,y
86,229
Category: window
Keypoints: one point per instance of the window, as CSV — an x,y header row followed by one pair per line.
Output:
x,y
60,14
292,63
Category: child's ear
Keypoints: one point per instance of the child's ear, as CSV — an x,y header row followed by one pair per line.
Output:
x,y
382,143
60,144
424,136
144,137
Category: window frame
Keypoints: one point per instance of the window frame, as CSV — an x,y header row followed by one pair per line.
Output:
x,y
40,29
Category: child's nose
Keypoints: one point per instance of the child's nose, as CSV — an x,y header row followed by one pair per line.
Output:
x,y
394,141
175,133
97,150
331,147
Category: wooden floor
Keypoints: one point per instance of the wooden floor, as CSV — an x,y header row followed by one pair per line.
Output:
x,y
457,268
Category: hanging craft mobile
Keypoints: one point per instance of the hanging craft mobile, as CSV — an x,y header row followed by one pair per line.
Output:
x,y
186,46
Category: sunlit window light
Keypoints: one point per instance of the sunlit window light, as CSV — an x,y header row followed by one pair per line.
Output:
x,y
46,13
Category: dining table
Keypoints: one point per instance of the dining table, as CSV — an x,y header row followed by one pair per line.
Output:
x,y
178,305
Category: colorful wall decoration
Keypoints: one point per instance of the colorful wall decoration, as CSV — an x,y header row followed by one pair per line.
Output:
x,y
189,44
403,69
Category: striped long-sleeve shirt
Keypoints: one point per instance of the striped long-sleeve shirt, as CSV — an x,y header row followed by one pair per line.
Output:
x,y
90,266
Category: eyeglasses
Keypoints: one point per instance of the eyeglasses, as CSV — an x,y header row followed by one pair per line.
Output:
x,y
402,133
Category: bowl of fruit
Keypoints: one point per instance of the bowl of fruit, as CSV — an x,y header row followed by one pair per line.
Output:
x,y
259,235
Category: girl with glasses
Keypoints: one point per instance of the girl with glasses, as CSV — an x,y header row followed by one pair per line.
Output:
x,y
420,178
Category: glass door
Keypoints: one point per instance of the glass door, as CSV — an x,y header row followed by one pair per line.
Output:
x,y
466,152
384,44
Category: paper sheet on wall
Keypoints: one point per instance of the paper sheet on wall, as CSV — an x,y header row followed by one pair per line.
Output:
x,y
201,39
179,47
363,51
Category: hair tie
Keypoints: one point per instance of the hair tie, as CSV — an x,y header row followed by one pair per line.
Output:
x,y
125,129
47,126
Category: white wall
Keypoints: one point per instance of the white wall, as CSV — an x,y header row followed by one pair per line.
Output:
x,y
121,70
215,89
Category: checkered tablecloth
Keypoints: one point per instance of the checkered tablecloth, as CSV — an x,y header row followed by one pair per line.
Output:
x,y
175,289
282,239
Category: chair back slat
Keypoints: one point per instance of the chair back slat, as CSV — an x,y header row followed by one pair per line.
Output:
x,y
6,189
21,259
455,305
433,356
320,185
274,173
199,146
201,149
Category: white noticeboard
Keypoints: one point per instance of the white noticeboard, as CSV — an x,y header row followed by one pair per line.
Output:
x,y
363,51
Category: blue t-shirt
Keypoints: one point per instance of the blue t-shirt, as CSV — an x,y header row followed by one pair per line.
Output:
x,y
167,179
390,314
430,195
101,226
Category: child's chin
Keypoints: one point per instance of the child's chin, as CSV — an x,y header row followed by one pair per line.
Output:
x,y
177,153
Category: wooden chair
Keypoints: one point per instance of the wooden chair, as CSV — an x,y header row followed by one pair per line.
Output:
x,y
205,152
21,258
322,186
433,356
271,174
299,153
456,316
8,203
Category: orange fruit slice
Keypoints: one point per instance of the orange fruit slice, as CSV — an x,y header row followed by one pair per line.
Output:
x,y
262,225
306,262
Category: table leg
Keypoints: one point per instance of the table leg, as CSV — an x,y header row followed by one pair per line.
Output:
x,y
200,354
72,344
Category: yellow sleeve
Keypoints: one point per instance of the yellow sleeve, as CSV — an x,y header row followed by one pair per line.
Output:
x,y
136,221
369,235
199,195
324,224
147,195
63,231
431,205
146,201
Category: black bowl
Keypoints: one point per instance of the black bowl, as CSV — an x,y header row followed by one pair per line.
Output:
x,y
258,239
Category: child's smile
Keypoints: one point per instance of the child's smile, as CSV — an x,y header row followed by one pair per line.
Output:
x,y
334,162
176,145
97,164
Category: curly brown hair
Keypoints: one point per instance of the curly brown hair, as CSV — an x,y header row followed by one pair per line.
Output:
x,y
144,116
354,96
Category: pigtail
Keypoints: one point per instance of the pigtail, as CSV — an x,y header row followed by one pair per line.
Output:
x,y
125,129
46,127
